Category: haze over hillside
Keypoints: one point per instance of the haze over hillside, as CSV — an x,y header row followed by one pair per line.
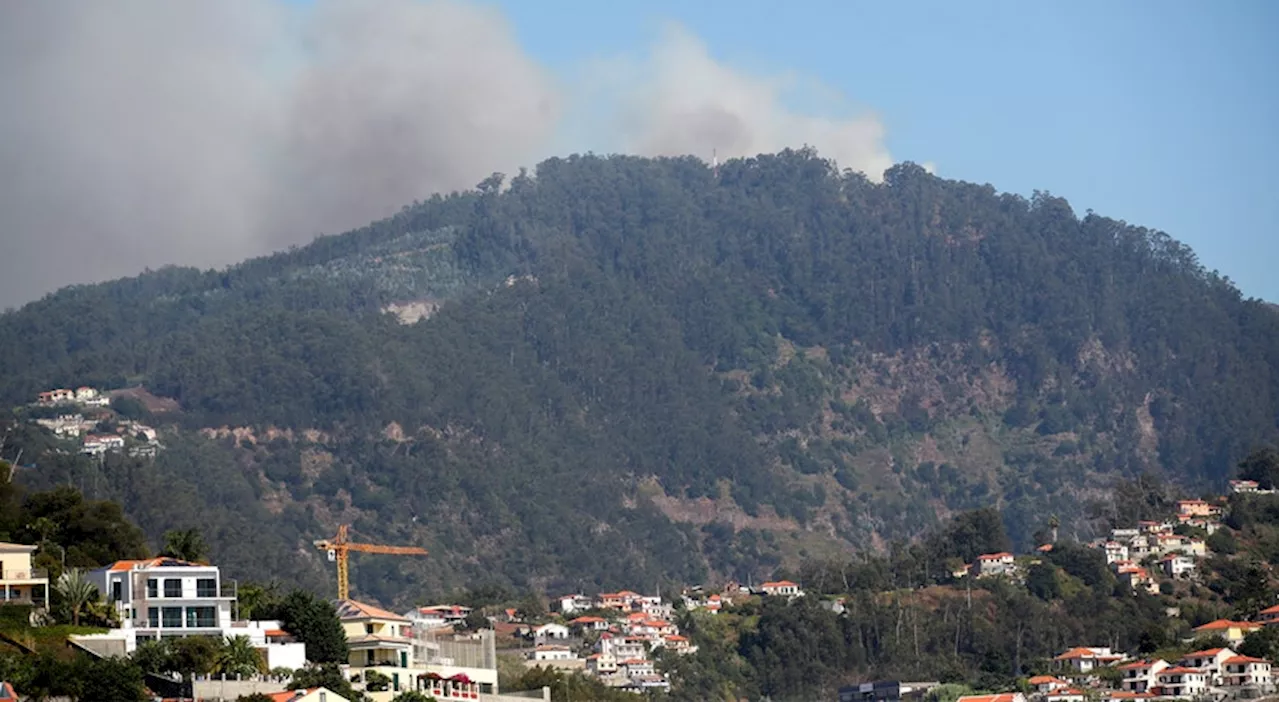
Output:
x,y
317,119
625,370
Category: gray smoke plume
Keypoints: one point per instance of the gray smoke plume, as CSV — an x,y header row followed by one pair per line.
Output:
x,y
139,133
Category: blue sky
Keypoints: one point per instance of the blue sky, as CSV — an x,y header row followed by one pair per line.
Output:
x,y
1163,114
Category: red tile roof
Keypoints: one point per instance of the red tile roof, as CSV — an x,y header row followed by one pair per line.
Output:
x,y
289,695
1005,697
350,609
1240,660
1181,670
1137,665
162,562
1207,653
1223,624
994,557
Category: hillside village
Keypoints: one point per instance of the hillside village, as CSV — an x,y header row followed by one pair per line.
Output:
x,y
621,642
84,416
1150,558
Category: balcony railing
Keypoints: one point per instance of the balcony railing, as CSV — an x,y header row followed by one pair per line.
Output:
x,y
33,574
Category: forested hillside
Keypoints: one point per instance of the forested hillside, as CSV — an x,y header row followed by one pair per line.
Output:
x,y
633,370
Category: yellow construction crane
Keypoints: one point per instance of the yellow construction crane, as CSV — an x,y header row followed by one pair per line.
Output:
x,y
339,547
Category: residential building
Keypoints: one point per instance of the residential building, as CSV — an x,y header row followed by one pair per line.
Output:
x,y
67,425
381,641
1115,551
989,564
549,632
1270,615
601,665
1125,695
1208,661
1003,697
165,597
1177,565
1140,676
589,624
1084,659
677,643
1137,578
552,652
569,604
19,582
1238,671
1233,632
624,600
315,694
635,667
1243,485
438,616
54,397
885,691
98,444
781,588
1181,681
1047,683
1066,694
623,648
1198,508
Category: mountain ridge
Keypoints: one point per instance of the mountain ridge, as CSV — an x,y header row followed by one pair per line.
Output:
x,y
788,341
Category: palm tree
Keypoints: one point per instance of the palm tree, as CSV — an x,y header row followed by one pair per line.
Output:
x,y
253,600
75,593
186,545
239,657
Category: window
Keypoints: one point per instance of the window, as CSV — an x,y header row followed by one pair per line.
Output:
x,y
153,616
171,617
202,617
173,587
153,588
207,587
116,591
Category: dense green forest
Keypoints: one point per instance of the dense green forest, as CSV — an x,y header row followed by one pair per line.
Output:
x,y
640,371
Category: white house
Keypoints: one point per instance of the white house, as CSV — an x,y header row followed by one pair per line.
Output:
x,y
1047,683
551,652
781,588
549,632
1209,661
1181,681
1177,565
1083,659
166,597
589,624
1245,670
1066,694
1243,485
1140,676
437,616
601,665
569,604
1115,551
634,667
989,564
